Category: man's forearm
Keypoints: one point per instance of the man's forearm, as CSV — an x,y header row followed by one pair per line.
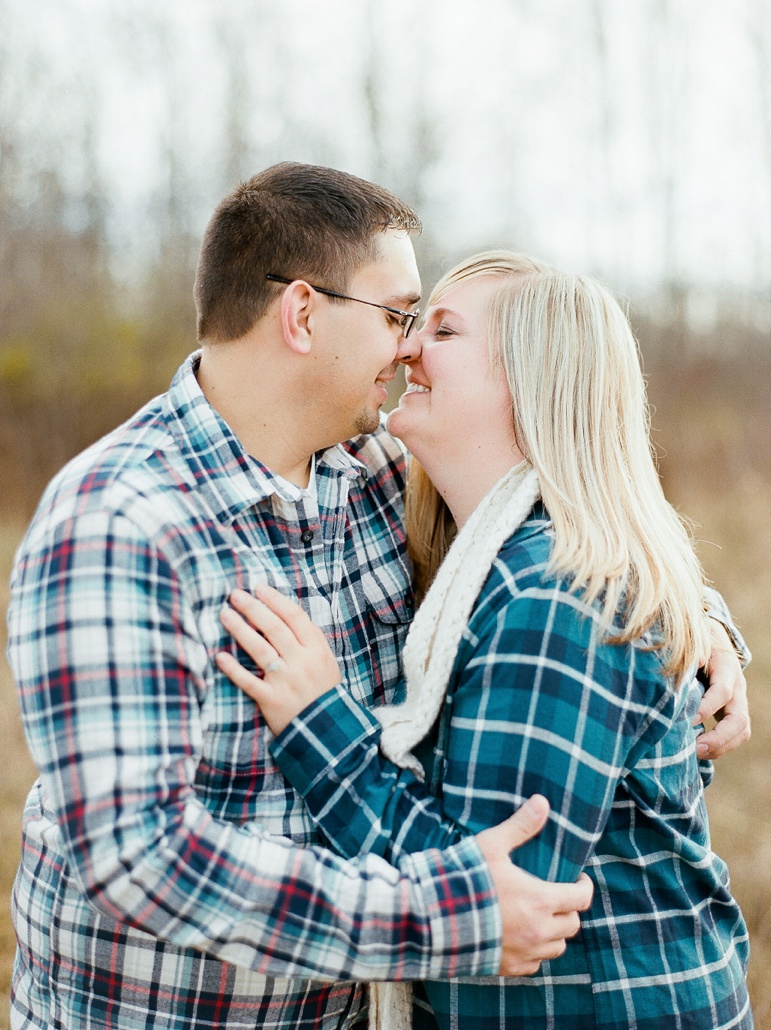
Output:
x,y
436,918
264,903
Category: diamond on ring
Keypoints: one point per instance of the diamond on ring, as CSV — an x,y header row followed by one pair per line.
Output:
x,y
273,666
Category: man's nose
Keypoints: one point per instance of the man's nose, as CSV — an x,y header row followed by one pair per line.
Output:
x,y
409,349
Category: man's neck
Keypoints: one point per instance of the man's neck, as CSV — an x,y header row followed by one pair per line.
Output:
x,y
258,409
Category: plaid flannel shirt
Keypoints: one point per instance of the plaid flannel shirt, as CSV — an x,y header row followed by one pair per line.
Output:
x,y
537,702
161,884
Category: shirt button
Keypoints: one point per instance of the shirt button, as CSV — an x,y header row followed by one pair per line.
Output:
x,y
306,536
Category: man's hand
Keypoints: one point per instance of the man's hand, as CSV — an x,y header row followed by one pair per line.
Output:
x,y
725,698
537,915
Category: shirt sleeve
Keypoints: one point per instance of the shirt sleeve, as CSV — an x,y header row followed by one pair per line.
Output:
x,y
716,608
362,802
539,706
105,651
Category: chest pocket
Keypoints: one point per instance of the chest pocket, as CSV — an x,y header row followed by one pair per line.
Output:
x,y
389,608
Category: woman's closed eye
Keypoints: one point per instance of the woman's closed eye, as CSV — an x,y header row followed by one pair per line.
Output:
x,y
443,331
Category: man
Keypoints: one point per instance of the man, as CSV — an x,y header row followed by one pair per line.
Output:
x,y
162,883
170,877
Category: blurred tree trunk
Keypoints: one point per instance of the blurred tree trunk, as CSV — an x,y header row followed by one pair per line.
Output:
x,y
668,113
374,90
616,243
758,28
234,29
404,143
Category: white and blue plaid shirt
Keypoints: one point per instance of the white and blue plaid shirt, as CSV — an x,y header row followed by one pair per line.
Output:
x,y
161,885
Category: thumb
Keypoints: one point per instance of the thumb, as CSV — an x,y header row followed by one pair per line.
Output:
x,y
527,821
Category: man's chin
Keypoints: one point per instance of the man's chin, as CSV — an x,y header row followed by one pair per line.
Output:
x,y
367,422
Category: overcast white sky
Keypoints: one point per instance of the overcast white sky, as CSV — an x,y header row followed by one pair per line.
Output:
x,y
626,137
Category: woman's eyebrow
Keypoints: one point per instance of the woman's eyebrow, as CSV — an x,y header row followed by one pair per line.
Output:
x,y
441,312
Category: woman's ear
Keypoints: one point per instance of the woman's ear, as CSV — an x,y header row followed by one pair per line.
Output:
x,y
298,307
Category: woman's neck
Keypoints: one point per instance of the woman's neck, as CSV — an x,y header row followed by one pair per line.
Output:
x,y
463,484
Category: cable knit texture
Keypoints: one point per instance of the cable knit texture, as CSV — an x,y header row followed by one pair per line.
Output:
x,y
429,655
435,634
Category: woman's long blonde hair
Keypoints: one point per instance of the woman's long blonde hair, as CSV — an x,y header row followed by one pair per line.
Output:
x,y
581,418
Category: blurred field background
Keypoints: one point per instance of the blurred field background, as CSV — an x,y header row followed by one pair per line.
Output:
x,y
629,141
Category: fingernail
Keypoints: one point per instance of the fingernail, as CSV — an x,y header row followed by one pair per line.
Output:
x,y
535,804
702,750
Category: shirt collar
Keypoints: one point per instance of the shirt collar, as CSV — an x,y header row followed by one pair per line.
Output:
x,y
231,479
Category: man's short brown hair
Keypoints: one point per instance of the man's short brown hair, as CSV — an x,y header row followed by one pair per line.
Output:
x,y
295,220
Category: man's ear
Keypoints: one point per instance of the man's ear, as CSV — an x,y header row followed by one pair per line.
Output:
x,y
298,309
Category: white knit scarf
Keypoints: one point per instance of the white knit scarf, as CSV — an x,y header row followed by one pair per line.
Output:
x,y
429,654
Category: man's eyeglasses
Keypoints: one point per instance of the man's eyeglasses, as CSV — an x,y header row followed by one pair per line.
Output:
x,y
407,319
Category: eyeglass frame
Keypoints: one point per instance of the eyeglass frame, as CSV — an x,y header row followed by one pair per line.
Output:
x,y
405,326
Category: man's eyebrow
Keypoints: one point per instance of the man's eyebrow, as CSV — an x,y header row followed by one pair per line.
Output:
x,y
403,301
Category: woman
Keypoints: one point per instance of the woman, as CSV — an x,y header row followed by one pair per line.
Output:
x,y
554,653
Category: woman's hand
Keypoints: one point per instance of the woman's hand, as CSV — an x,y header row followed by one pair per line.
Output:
x,y
296,661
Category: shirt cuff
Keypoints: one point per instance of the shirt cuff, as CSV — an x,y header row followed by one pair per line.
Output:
x,y
315,740
716,608
463,910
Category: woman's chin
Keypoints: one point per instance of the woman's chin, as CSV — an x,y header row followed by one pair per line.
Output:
x,y
412,430
395,423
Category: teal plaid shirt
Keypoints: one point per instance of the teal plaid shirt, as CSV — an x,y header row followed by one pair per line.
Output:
x,y
537,702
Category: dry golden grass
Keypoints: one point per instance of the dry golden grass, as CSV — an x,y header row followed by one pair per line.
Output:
x,y
717,472
14,785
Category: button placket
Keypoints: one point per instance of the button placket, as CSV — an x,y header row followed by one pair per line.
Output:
x,y
333,499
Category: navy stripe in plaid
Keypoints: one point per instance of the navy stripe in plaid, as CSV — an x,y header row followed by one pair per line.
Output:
x,y
538,703
159,885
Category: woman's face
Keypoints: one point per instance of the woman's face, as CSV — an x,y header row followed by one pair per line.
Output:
x,y
455,410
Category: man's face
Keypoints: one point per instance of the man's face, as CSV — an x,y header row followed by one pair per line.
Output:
x,y
359,346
